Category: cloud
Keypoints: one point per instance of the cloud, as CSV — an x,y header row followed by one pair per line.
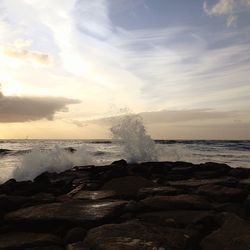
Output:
x,y
25,54
175,116
227,8
25,109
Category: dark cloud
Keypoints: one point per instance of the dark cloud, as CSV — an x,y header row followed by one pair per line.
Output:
x,y
24,109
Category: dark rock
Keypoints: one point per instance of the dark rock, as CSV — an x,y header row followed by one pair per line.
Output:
x,y
121,162
43,179
46,248
75,212
245,183
195,183
127,186
213,166
240,172
93,195
16,240
134,235
163,190
234,232
75,235
76,246
9,203
247,206
184,201
181,218
221,193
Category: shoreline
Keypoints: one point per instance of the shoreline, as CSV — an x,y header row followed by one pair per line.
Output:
x,y
151,205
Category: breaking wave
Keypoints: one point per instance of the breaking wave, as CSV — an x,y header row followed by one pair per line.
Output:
x,y
55,160
137,144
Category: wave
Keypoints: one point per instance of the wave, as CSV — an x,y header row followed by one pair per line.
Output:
x,y
137,144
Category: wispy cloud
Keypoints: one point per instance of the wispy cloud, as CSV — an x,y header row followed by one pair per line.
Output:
x,y
228,8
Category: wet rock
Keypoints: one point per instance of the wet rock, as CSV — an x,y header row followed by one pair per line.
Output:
x,y
93,195
234,232
75,235
163,190
127,186
213,166
134,235
75,212
247,206
184,201
221,193
16,240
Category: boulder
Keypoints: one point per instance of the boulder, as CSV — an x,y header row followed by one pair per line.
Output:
x,y
127,186
221,193
76,246
134,235
232,235
183,201
16,240
76,212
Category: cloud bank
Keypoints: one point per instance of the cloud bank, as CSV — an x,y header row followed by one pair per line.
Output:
x,y
25,109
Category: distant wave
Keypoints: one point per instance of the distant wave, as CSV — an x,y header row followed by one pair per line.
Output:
x,y
4,151
227,144
101,142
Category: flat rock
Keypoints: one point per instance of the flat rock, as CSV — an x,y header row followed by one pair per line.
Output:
x,y
16,240
72,212
222,193
134,235
232,235
163,190
93,195
183,201
127,186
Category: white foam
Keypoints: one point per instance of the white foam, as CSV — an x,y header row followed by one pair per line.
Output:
x,y
138,145
55,160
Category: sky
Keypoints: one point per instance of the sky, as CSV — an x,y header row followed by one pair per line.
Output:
x,y
69,67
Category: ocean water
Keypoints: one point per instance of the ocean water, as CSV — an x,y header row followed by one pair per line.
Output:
x,y
24,159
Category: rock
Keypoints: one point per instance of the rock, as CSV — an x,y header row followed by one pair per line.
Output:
x,y
75,234
134,235
76,246
16,240
247,206
183,201
221,193
121,162
163,190
181,218
245,183
127,186
46,248
213,166
240,172
93,195
9,203
195,183
76,212
232,235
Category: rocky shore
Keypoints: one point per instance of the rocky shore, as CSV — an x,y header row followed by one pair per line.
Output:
x,y
151,206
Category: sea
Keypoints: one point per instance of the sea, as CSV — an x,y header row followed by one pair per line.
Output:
x,y
25,159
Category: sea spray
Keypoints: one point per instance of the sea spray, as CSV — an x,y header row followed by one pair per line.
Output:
x,y
138,146
55,160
